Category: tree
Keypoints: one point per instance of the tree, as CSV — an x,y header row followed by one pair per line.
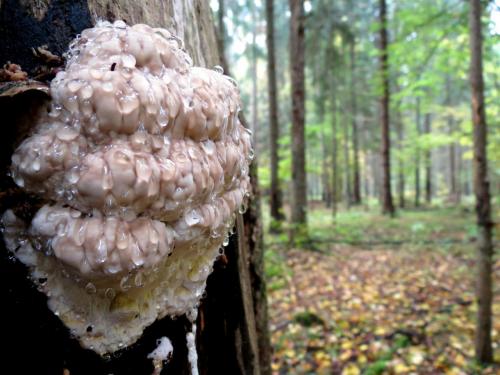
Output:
x,y
276,203
297,58
387,204
453,192
356,192
255,125
417,155
401,166
484,352
229,324
427,161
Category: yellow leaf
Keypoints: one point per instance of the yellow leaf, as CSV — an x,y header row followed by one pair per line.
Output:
x,y
460,360
346,345
401,368
351,369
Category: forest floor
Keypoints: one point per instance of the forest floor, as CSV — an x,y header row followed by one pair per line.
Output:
x,y
378,296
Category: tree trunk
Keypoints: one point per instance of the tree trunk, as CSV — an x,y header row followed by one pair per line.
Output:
x,y
276,195
401,171
452,195
427,161
231,331
347,164
254,125
325,174
387,204
335,178
453,169
356,192
299,181
221,30
345,130
459,172
484,352
417,155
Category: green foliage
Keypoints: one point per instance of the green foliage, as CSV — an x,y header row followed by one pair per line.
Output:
x,y
308,319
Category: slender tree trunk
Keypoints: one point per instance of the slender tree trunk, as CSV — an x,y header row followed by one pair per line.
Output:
x,y
387,204
335,178
484,352
276,200
221,30
417,155
229,339
401,166
459,173
325,175
452,195
427,161
347,164
297,55
367,175
255,120
453,169
345,130
356,192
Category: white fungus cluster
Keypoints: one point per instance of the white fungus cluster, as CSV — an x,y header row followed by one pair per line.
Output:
x,y
143,164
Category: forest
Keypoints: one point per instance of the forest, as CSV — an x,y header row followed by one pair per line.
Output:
x,y
361,116
262,187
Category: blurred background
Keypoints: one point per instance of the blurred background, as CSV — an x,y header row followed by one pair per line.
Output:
x,y
368,287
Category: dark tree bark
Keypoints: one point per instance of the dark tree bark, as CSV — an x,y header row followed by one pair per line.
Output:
x,y
417,155
276,200
427,161
232,333
251,255
484,352
356,191
335,177
347,163
345,131
387,204
401,166
325,172
299,180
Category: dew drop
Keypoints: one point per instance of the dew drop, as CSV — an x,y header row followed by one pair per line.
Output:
x,y
102,251
110,293
107,180
251,154
242,209
90,288
107,87
128,61
86,92
61,229
219,69
138,279
192,218
74,85
36,165
123,283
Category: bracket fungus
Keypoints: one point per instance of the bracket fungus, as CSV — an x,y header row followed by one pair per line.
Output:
x,y
142,165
